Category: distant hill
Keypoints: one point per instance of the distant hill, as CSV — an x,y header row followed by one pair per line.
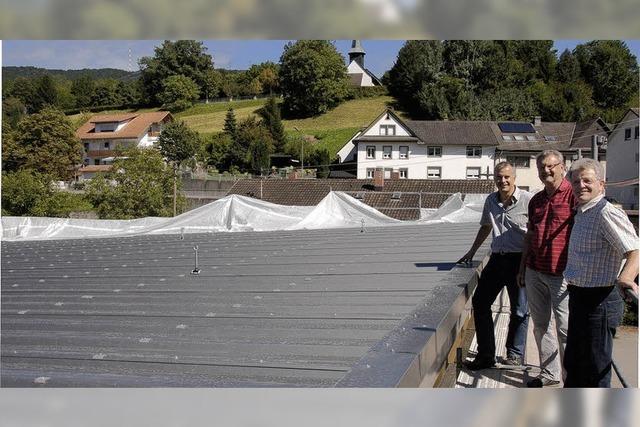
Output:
x,y
10,73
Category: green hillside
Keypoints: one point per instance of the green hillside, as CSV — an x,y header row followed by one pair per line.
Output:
x,y
331,130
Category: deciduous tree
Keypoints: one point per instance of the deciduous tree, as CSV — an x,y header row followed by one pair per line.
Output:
x,y
178,145
139,185
82,89
188,58
178,93
46,142
419,63
312,77
610,69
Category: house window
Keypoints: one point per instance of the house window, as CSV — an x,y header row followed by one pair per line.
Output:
x,y
388,130
434,151
404,152
386,151
387,173
519,161
86,146
96,161
473,173
370,172
474,151
404,173
627,134
636,132
371,151
434,172
106,145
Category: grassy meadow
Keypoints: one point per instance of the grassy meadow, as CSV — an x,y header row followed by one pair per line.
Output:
x,y
331,130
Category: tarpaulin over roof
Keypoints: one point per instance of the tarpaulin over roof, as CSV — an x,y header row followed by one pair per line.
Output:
x,y
236,213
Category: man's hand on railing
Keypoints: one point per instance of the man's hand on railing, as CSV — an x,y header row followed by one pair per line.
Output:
x,y
629,290
467,258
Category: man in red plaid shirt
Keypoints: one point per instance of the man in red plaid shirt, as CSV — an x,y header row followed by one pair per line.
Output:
x,y
544,258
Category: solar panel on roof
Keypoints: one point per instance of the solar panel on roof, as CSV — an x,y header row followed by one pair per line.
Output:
x,y
516,127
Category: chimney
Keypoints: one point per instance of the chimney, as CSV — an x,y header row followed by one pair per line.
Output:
x,y
378,179
395,175
537,120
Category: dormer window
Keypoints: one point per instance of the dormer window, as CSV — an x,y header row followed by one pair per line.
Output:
x,y
388,130
106,127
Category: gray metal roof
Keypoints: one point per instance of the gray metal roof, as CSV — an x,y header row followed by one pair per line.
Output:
x,y
442,132
313,308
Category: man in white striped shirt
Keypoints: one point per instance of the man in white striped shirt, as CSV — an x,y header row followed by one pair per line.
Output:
x,y
601,238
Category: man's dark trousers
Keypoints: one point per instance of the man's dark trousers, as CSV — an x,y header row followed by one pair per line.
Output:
x,y
594,313
501,270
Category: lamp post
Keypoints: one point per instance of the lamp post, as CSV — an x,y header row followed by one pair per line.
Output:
x,y
301,151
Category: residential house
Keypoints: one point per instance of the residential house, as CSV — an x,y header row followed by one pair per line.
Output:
x,y
105,136
520,144
358,74
622,157
442,149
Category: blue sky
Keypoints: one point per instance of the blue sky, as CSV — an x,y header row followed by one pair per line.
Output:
x,y
229,54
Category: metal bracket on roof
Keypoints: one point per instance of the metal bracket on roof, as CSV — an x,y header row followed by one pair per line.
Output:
x,y
362,228
195,270
181,233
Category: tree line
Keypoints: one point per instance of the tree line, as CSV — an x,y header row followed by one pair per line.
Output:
x,y
514,80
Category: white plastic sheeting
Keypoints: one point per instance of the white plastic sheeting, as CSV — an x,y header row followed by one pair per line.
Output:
x,y
238,213
456,210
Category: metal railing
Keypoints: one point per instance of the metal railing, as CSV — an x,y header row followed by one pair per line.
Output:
x,y
632,297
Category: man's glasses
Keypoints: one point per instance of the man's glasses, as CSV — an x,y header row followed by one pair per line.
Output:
x,y
545,167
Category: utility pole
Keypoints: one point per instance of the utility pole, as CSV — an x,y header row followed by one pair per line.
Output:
x,y
597,141
301,151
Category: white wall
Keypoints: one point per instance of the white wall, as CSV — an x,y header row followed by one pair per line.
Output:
x,y
375,129
354,68
453,163
348,152
622,158
147,141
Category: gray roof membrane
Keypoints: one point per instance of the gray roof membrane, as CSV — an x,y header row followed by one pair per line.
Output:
x,y
310,308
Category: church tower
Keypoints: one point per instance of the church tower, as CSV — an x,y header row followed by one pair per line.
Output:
x,y
356,53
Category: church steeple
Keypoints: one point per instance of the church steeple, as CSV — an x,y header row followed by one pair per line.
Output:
x,y
356,53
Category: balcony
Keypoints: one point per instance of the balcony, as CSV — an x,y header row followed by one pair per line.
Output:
x,y
101,153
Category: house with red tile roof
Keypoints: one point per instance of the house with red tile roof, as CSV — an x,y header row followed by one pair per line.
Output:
x,y
105,136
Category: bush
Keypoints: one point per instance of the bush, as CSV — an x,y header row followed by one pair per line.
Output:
x,y
367,92
28,193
